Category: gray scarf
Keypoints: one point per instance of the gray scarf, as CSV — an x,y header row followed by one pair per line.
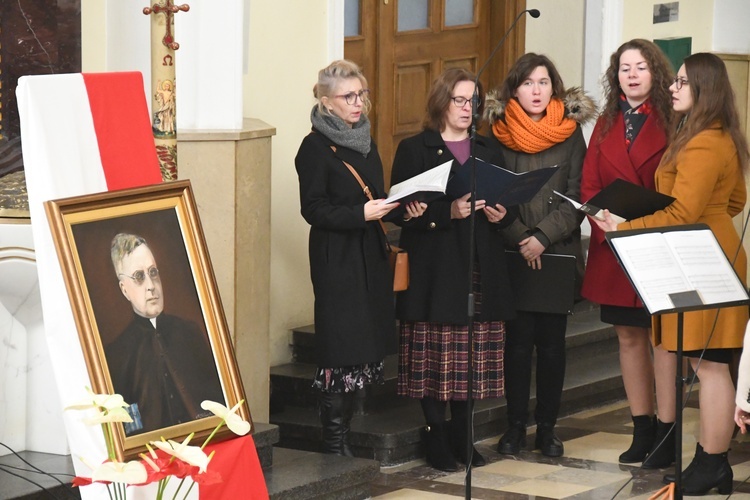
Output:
x,y
336,129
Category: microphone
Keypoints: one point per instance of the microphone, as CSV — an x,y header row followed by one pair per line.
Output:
x,y
532,12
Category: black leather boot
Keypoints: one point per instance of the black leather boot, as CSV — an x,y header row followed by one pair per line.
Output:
x,y
513,440
711,471
662,453
644,429
546,440
437,448
334,421
670,478
459,432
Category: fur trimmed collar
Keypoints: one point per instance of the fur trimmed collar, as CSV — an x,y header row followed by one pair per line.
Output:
x,y
578,106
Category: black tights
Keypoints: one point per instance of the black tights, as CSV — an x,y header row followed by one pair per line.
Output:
x,y
434,410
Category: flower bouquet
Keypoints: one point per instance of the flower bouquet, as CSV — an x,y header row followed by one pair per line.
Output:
x,y
165,459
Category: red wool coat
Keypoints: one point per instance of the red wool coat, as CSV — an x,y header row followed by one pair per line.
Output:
x,y
608,159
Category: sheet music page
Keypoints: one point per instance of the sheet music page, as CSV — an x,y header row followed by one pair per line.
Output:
x,y
434,179
652,268
706,266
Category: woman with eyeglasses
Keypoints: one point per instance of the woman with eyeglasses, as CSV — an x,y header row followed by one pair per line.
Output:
x,y
703,169
537,124
628,142
351,276
433,316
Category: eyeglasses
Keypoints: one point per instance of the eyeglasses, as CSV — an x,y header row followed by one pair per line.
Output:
x,y
140,276
351,97
679,82
461,101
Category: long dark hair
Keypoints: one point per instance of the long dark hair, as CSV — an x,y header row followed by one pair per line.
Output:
x,y
661,79
713,100
440,94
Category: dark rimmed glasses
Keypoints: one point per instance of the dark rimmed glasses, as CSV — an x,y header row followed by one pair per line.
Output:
x,y
679,82
460,101
351,97
139,276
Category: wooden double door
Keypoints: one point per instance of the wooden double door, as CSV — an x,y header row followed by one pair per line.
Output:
x,y
403,45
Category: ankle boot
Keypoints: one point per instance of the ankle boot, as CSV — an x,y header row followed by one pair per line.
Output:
x,y
712,471
460,441
437,449
546,440
513,440
644,429
670,478
334,422
347,413
662,453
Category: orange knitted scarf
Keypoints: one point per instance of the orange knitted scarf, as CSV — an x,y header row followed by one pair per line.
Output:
x,y
520,133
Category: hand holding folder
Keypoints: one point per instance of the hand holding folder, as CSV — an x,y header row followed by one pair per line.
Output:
x,y
425,187
624,200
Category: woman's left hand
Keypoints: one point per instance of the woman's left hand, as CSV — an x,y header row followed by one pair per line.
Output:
x,y
531,250
608,224
414,209
495,215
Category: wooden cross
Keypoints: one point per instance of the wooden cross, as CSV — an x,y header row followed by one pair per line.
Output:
x,y
169,10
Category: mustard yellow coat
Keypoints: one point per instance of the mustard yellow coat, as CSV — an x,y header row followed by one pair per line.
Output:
x,y
708,186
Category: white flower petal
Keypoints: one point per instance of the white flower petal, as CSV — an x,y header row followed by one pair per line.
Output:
x,y
190,454
114,415
117,472
234,422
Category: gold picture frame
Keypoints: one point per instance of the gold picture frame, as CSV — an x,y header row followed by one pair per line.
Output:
x,y
165,216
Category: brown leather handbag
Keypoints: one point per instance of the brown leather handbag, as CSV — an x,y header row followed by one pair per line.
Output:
x,y
398,258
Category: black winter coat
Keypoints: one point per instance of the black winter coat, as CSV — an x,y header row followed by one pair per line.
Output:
x,y
438,246
352,282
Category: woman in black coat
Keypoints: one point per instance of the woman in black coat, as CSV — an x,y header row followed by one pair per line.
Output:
x,y
352,281
433,313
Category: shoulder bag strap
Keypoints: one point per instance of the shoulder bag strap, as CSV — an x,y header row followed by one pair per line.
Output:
x,y
365,190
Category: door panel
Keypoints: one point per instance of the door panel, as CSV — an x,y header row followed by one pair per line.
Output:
x,y
400,65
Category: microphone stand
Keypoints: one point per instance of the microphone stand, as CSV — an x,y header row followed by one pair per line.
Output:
x,y
472,238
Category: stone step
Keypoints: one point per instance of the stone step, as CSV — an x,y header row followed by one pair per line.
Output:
x,y
307,475
390,433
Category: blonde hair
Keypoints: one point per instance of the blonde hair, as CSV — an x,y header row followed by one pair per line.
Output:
x,y
331,76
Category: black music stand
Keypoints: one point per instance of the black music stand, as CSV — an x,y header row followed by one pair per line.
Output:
x,y
692,246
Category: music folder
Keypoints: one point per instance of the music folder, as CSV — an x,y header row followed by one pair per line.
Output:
x,y
424,187
677,268
624,200
499,185
550,289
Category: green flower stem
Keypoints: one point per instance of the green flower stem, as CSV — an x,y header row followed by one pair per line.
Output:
x,y
179,486
212,434
188,491
109,492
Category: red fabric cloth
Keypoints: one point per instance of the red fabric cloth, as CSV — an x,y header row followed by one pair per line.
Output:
x,y
241,475
123,129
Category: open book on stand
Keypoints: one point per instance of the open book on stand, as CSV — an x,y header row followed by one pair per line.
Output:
x,y
624,200
677,268
424,187
498,185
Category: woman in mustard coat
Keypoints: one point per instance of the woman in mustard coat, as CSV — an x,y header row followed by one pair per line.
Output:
x,y
703,169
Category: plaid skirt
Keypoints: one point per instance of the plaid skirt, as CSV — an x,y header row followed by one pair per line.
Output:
x,y
433,358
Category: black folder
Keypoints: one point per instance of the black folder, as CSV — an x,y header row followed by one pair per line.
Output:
x,y
550,289
629,201
498,185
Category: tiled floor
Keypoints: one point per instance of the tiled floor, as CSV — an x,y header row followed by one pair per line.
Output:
x,y
589,470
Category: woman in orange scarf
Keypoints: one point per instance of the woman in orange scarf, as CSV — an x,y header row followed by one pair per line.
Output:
x,y
537,124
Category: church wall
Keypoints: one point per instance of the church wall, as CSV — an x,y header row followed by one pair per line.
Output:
x,y
562,44
288,44
695,20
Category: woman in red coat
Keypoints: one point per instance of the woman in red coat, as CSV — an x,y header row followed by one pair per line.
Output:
x,y
628,141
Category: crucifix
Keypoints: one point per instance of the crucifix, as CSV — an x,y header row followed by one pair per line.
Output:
x,y
163,89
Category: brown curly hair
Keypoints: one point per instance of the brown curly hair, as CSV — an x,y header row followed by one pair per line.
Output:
x,y
439,97
661,78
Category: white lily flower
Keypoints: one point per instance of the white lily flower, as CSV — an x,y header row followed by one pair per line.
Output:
x,y
113,415
234,422
118,472
107,401
190,454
